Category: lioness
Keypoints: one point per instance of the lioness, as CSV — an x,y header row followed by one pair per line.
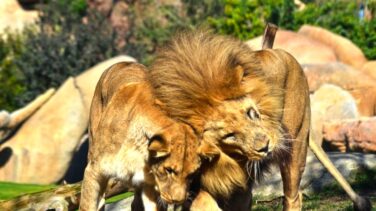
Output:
x,y
254,105
132,140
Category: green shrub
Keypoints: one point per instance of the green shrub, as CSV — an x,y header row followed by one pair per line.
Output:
x,y
62,45
246,19
152,24
11,79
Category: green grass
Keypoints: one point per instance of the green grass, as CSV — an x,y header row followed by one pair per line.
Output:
x,y
332,197
10,190
118,197
320,202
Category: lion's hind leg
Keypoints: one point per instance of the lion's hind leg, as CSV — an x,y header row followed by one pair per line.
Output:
x,y
93,189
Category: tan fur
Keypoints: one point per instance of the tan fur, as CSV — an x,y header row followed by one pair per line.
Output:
x,y
204,201
133,141
211,82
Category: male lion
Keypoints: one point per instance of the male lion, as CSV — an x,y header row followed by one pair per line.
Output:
x,y
253,105
133,141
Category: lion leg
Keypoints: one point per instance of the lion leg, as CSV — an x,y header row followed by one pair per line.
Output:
x,y
204,201
292,169
360,203
93,188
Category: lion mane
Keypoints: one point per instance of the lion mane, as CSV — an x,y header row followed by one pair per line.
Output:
x,y
198,70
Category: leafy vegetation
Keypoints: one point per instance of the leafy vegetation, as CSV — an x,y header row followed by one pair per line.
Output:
x,y
11,78
10,190
152,25
63,45
246,19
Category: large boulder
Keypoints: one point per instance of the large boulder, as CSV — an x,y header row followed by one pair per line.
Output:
x,y
304,49
346,51
14,17
336,73
366,100
360,85
42,148
330,103
351,135
369,68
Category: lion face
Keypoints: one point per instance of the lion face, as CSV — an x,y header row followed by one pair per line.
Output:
x,y
174,161
241,128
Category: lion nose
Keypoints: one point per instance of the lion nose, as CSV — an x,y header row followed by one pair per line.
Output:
x,y
264,149
261,143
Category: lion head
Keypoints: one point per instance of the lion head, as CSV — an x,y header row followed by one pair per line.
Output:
x,y
174,160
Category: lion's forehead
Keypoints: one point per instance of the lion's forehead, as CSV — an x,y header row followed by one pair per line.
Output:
x,y
184,159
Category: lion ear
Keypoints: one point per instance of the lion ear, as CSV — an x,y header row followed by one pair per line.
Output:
x,y
159,103
238,75
158,147
208,151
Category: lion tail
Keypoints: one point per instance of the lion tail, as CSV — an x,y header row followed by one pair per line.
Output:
x,y
360,203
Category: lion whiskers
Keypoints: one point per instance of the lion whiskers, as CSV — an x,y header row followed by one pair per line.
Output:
x,y
253,170
161,202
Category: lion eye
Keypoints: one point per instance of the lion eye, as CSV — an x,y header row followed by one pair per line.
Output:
x,y
169,170
229,137
252,113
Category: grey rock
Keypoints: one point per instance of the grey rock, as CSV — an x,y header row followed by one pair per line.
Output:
x,y
315,176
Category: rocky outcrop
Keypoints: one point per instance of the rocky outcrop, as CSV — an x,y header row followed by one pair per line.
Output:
x,y
330,103
42,148
14,17
351,135
304,49
346,51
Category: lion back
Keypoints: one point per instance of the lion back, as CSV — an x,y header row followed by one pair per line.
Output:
x,y
111,80
284,72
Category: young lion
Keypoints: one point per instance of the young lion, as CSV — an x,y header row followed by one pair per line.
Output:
x,y
253,105
133,141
